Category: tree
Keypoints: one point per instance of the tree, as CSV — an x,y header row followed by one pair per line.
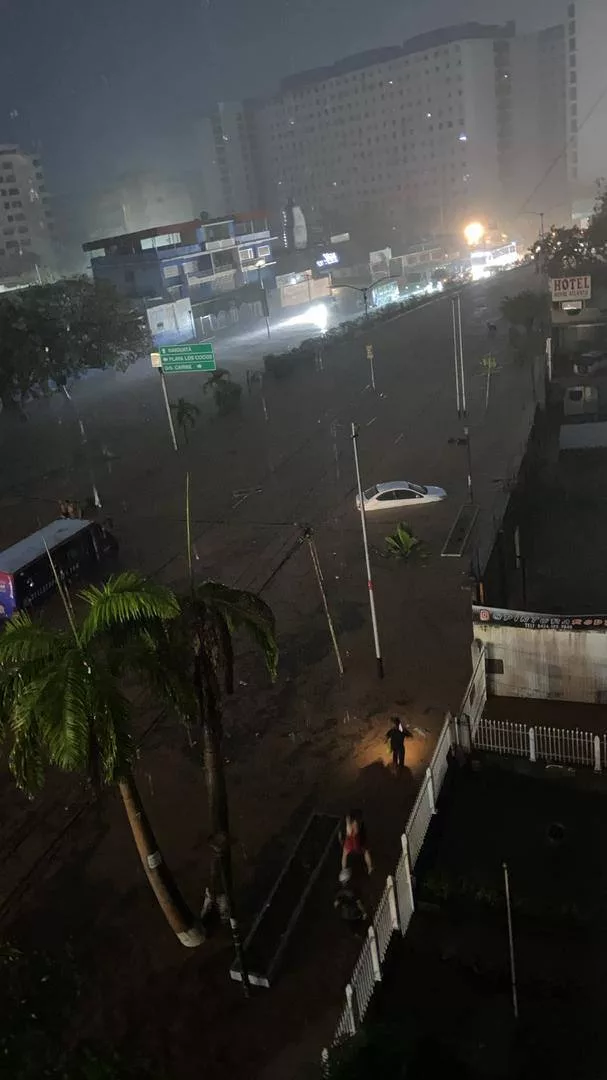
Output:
x,y
186,415
51,333
61,704
226,394
402,543
191,661
527,309
564,251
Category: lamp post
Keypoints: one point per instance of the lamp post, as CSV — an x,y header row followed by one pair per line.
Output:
x,y
363,525
264,299
540,214
366,289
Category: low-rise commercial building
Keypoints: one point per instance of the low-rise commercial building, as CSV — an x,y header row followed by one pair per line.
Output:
x,y
194,259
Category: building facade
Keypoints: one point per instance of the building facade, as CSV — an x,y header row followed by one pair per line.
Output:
x,y
198,260
586,33
227,159
26,216
410,142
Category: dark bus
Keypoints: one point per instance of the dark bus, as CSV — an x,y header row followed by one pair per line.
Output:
x,y
26,574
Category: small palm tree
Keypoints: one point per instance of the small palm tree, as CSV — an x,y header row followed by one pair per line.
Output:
x,y
186,415
402,543
226,394
61,704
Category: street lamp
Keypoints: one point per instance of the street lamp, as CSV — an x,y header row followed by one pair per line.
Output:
x,y
366,289
474,233
264,302
540,214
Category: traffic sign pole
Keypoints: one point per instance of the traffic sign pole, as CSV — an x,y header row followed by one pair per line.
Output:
x,y
168,409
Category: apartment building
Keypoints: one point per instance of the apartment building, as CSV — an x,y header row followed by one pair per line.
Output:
x,y
406,135
411,141
227,159
26,217
193,259
586,34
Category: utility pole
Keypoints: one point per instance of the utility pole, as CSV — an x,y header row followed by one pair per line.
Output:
x,y
456,361
461,353
168,408
363,525
325,603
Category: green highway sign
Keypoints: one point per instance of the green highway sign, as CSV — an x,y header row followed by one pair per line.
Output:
x,y
178,358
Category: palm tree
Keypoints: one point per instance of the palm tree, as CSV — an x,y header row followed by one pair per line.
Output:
x,y
61,704
226,394
191,662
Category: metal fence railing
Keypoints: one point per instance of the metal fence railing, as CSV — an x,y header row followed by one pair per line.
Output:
x,y
397,904
564,746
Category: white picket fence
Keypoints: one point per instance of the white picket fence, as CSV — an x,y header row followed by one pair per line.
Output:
x,y
396,905
560,745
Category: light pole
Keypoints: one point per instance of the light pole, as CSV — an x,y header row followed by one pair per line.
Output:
x,y
363,525
366,289
540,214
264,297
458,356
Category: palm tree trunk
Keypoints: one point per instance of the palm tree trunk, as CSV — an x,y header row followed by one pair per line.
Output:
x,y
221,865
174,907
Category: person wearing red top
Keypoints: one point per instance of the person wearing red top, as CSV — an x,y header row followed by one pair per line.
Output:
x,y
354,846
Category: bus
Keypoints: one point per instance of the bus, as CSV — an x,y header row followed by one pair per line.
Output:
x,y
26,575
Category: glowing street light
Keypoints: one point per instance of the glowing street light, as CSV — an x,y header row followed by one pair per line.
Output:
x,y
474,233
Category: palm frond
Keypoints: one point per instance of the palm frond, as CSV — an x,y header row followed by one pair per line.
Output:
x,y
24,641
66,706
27,761
243,610
125,599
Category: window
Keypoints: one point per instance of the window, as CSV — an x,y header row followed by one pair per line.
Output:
x,y
171,271
247,254
22,229
494,667
264,251
404,494
386,496
13,191
17,203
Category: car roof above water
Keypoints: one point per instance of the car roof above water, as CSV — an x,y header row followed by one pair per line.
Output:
x,y
392,485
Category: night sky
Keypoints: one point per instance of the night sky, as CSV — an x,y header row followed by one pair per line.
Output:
x,y
106,88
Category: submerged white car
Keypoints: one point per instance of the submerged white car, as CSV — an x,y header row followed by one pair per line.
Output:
x,y
398,493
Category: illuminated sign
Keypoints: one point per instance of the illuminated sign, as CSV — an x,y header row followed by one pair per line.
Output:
x,y
328,258
578,287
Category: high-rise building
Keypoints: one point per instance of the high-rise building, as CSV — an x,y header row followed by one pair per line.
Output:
x,y
228,169
26,217
466,122
586,34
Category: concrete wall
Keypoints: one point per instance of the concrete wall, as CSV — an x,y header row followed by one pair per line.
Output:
x,y
543,659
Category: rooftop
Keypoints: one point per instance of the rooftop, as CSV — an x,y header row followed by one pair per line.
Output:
x,y
431,40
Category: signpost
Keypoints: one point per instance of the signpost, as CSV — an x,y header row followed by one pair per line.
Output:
x,y
173,359
185,358
578,287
